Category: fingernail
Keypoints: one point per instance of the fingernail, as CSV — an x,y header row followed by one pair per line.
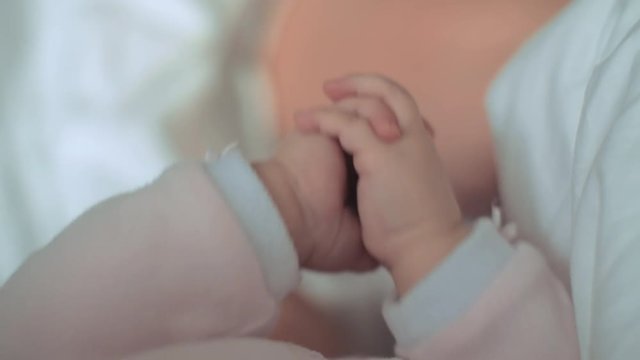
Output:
x,y
392,131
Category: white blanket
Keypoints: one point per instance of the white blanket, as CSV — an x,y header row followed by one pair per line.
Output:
x,y
86,91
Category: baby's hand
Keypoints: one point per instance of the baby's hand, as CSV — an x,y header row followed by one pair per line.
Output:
x,y
307,180
410,217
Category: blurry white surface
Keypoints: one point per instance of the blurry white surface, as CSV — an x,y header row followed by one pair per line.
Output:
x,y
86,90
354,301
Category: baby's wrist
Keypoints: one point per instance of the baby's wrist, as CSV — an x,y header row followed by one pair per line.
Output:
x,y
420,254
278,185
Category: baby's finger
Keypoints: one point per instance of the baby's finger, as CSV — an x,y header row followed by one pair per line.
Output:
x,y
354,133
398,99
380,116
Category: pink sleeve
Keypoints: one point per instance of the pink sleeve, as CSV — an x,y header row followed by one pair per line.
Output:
x,y
171,264
164,265
524,314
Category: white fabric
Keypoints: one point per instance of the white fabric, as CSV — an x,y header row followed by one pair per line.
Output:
x,y
450,291
259,216
86,91
566,122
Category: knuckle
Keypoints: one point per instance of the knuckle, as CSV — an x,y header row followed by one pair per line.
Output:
x,y
391,86
360,126
347,127
377,106
399,94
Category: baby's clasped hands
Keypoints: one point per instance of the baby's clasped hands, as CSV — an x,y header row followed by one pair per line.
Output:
x,y
409,215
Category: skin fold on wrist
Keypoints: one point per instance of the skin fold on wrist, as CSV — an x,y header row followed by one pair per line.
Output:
x,y
421,256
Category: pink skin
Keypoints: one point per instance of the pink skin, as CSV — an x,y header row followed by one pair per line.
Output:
x,y
381,117
311,199
410,218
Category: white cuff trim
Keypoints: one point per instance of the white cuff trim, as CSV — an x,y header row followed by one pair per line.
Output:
x,y
251,202
448,293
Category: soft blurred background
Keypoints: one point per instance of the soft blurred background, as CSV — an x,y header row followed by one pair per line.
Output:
x,y
97,97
